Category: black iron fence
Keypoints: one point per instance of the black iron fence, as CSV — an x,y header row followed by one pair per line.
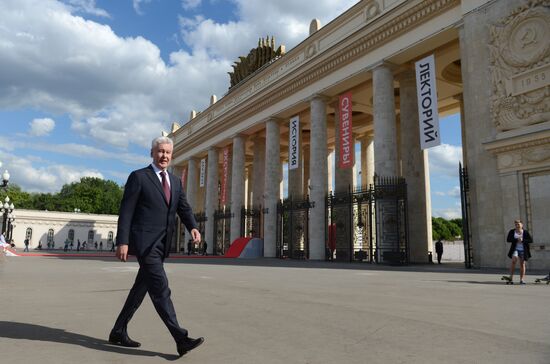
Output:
x,y
251,222
369,224
222,231
465,203
292,228
350,221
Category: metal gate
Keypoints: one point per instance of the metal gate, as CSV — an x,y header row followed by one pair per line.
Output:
x,y
292,228
251,222
350,221
222,231
200,218
465,203
390,199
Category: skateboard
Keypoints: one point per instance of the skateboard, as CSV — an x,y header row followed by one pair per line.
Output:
x,y
507,279
545,279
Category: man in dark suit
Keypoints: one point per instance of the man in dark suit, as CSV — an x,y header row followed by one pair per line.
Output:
x,y
146,223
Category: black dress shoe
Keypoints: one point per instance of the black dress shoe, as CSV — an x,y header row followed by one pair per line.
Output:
x,y
188,344
122,339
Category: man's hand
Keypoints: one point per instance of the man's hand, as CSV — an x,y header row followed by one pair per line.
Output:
x,y
122,252
196,236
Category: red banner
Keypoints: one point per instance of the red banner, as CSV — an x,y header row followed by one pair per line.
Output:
x,y
225,174
184,178
346,135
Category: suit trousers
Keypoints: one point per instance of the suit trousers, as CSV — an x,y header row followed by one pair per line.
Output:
x,y
151,278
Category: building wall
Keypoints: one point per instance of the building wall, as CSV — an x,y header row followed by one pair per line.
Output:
x,y
61,222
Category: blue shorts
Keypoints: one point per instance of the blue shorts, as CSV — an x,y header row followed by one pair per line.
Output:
x,y
519,253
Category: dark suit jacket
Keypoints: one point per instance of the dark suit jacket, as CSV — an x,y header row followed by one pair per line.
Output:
x,y
526,241
145,217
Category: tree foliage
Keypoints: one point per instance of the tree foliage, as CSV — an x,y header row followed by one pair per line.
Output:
x,y
446,229
90,194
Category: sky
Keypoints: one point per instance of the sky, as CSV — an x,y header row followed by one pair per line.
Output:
x,y
86,84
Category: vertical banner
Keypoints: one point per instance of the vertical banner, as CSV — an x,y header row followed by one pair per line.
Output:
x,y
428,116
225,171
184,178
347,149
203,172
293,145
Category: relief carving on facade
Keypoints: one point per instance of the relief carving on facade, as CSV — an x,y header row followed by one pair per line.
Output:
x,y
525,155
520,67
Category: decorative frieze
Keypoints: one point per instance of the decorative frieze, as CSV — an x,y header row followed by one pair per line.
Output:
x,y
520,67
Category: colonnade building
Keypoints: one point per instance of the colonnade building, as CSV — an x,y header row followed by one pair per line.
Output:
x,y
492,65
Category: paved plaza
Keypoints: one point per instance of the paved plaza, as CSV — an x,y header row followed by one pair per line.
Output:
x,y
60,310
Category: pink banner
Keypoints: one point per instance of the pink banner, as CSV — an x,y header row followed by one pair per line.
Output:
x,y
346,135
225,174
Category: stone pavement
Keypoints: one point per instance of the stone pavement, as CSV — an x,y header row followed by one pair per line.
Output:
x,y
60,310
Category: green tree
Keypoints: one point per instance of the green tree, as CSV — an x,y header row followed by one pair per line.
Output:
x,y
440,230
92,195
20,199
446,229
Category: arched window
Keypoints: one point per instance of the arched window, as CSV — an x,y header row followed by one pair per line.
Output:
x,y
110,237
28,234
71,236
91,237
50,236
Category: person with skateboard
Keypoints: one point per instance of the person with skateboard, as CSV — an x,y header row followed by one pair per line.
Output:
x,y
519,250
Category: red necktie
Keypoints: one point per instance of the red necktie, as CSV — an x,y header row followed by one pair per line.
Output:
x,y
165,186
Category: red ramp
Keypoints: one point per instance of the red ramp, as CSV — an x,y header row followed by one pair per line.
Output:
x,y
237,248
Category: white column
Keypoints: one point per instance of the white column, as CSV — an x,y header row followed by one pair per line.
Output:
x,y
272,186
305,170
192,189
211,197
258,169
318,177
385,129
237,186
367,160
415,171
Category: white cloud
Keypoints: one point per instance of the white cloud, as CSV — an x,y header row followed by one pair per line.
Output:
x,y
119,90
137,5
287,20
444,160
190,4
448,213
87,7
454,192
41,127
47,178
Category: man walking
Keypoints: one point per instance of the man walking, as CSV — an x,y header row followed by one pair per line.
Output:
x,y
146,223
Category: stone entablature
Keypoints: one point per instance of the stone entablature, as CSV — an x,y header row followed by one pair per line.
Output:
x,y
267,87
520,67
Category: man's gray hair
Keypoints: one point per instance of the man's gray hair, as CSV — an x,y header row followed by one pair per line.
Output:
x,y
161,140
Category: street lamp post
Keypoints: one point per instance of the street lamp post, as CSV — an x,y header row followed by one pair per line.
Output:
x,y
7,217
5,177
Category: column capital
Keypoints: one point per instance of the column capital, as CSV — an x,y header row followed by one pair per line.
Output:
x,y
274,119
383,64
213,148
318,96
239,135
192,159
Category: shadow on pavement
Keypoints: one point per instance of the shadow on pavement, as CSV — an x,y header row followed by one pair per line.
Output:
x,y
20,330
